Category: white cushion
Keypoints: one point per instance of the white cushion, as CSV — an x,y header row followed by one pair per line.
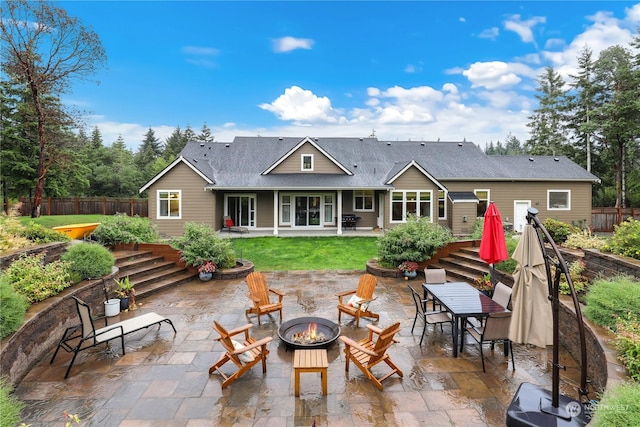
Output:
x,y
245,357
356,302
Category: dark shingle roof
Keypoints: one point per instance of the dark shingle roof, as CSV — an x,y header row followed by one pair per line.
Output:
x,y
240,164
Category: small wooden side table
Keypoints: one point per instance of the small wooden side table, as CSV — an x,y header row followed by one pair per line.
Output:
x,y
310,361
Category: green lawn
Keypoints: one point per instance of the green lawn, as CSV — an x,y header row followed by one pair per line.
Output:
x,y
307,253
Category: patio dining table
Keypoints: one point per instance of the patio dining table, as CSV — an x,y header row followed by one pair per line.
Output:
x,y
463,301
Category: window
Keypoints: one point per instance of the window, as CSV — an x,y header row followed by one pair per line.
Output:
x,y
363,200
483,201
285,210
559,200
403,203
442,205
329,218
307,162
169,204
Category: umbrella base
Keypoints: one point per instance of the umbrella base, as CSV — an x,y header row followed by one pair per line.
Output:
x,y
531,406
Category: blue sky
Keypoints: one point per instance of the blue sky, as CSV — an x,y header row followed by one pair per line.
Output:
x,y
418,70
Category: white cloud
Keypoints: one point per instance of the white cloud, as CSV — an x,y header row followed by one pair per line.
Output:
x,y
523,28
490,33
413,69
200,56
301,105
491,75
462,19
287,44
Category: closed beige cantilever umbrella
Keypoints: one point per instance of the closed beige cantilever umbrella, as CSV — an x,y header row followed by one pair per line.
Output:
x,y
531,318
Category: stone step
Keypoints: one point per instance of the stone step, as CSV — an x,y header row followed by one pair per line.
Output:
x,y
165,283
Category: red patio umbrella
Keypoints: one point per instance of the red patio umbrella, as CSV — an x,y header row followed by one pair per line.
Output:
x,y
493,246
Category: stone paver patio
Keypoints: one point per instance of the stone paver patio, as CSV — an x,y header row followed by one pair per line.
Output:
x,y
163,379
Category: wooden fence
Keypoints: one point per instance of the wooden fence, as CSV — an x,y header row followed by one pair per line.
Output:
x,y
603,219
87,206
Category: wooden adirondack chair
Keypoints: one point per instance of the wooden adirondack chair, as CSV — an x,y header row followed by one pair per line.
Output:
x,y
367,353
359,306
244,354
259,294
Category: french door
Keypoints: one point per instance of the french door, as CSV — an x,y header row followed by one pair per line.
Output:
x,y
242,210
307,211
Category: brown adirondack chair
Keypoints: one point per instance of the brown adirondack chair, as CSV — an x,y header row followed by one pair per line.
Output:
x,y
244,354
259,294
359,306
368,352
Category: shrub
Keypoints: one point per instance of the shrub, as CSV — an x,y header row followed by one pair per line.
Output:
x,y
34,279
576,268
121,228
10,237
559,230
628,345
626,239
611,299
618,406
10,407
584,240
509,265
39,234
89,260
478,228
14,306
416,240
200,243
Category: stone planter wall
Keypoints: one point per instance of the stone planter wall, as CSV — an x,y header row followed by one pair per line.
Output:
x,y
45,322
53,252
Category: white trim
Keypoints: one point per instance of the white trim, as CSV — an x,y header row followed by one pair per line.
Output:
x,y
516,222
302,168
421,169
171,166
445,198
404,204
160,217
568,208
373,200
252,210
300,144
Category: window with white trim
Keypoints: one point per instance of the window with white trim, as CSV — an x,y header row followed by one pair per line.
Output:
x,y
306,161
363,200
404,203
442,205
285,209
483,201
559,200
169,204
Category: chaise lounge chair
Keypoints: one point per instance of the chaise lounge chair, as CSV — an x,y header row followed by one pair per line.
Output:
x,y
229,226
85,335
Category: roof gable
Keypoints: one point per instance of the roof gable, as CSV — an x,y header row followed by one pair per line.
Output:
x,y
171,166
299,147
401,169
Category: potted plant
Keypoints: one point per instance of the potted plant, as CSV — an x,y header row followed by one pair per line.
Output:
x,y
409,268
206,270
484,285
127,294
200,244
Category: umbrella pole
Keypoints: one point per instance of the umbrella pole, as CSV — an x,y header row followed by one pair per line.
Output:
x,y
530,401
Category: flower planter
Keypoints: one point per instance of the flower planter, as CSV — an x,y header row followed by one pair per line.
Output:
x,y
124,303
205,277
410,274
112,307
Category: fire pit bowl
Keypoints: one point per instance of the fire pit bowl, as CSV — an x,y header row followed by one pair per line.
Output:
x,y
290,328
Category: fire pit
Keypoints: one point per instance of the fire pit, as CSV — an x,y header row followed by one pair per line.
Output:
x,y
309,332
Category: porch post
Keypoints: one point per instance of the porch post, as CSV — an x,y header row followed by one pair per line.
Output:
x,y
339,217
275,212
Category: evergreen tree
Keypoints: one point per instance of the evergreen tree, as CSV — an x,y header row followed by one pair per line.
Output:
x,y
189,134
617,114
205,134
547,122
581,106
174,144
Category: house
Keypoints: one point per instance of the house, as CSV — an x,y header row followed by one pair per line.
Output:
x,y
286,183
